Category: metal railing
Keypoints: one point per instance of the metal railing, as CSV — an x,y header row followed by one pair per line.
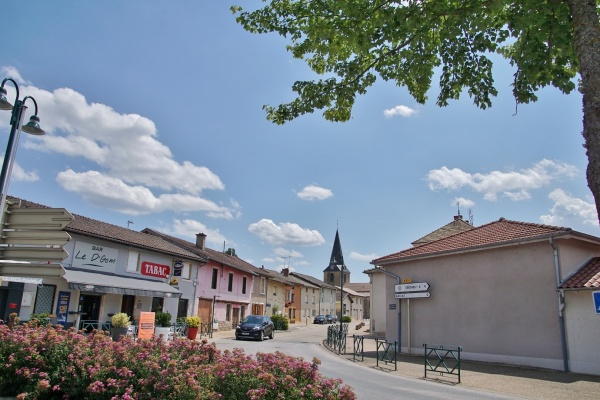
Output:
x,y
386,352
89,325
442,359
336,338
359,350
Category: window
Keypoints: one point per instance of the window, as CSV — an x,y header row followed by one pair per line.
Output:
x,y
157,304
44,299
306,298
228,313
186,271
244,281
313,299
263,285
215,274
230,283
133,261
182,308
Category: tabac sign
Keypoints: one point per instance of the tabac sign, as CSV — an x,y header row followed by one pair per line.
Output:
x,y
157,270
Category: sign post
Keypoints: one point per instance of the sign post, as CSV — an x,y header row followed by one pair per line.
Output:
x,y
596,297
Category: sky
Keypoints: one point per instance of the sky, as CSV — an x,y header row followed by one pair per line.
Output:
x,y
153,118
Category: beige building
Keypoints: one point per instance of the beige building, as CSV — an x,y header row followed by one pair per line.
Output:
x,y
493,290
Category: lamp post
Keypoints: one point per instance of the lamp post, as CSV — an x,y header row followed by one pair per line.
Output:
x,y
16,119
341,301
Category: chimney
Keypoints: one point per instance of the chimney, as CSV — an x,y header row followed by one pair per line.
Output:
x,y
200,240
285,272
458,217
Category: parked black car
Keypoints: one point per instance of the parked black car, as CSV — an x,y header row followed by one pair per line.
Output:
x,y
320,319
255,327
331,319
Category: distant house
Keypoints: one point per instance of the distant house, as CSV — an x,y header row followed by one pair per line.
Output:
x,y
326,297
496,290
223,285
364,290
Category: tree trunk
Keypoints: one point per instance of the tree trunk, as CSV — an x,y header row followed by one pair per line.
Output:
x,y
586,34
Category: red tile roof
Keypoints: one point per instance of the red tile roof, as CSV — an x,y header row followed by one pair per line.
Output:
x,y
587,277
456,226
493,234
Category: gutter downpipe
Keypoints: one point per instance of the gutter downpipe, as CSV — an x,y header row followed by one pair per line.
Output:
x,y
399,309
561,306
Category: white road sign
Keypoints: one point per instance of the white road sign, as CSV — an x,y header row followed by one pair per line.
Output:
x,y
411,295
411,287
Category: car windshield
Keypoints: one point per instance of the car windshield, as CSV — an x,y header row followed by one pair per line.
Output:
x,y
253,320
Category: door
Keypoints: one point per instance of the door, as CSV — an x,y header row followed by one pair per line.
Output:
x,y
127,306
89,307
205,311
235,319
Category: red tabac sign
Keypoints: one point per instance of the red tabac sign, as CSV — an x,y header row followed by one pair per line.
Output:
x,y
157,270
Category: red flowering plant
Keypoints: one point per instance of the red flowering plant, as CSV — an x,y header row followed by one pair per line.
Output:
x,y
53,363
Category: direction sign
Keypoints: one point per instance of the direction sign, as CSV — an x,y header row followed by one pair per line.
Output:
x,y
411,287
34,253
37,218
35,237
411,295
596,296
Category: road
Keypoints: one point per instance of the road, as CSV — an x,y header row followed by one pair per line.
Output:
x,y
368,383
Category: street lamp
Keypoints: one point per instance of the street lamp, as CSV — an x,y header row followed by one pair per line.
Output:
x,y
341,299
16,119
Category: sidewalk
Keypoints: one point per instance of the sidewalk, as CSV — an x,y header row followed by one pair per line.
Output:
x,y
525,382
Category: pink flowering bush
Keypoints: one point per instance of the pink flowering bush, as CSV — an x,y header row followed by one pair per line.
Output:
x,y
53,363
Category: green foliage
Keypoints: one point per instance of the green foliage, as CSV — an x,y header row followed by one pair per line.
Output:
x,y
192,322
162,319
346,318
281,322
120,320
351,43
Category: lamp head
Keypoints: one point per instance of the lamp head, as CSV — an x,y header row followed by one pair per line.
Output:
x,y
33,126
4,103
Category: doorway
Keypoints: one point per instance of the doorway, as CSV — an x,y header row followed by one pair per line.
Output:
x,y
89,308
127,306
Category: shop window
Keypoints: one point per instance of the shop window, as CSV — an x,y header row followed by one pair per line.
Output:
x,y
230,283
182,308
157,304
44,299
215,275
133,261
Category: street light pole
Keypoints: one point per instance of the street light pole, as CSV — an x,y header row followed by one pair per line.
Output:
x,y
16,119
341,300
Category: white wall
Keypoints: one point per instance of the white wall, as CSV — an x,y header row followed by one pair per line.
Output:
x,y
583,328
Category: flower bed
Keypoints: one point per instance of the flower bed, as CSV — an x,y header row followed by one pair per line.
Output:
x,y
52,363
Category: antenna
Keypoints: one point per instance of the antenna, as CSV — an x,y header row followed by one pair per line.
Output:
x,y
129,223
458,207
470,217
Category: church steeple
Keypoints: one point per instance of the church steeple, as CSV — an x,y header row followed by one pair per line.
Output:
x,y
332,273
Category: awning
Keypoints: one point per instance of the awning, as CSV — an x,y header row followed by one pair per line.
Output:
x,y
100,283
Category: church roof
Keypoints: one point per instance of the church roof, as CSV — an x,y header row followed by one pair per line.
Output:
x,y
337,258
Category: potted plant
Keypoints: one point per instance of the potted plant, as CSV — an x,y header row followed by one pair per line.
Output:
x,y
162,322
119,325
193,324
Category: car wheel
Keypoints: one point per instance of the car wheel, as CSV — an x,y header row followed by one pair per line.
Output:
x,y
272,336
261,336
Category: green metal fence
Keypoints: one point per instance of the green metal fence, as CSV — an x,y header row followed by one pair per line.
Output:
x,y
442,359
386,352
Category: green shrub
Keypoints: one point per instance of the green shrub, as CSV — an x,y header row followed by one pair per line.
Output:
x,y
162,319
120,320
281,322
346,318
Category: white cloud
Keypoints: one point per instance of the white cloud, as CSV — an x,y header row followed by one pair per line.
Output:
x,y
363,257
20,175
568,207
312,192
126,151
403,111
12,72
285,253
115,194
514,185
461,202
285,233
189,228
